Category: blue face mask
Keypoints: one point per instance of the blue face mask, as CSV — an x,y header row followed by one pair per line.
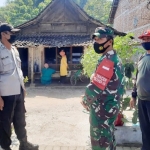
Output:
x,y
146,45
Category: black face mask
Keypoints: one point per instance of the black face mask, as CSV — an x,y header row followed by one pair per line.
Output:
x,y
146,45
99,48
12,39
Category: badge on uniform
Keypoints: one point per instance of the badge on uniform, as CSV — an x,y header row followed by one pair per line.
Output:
x,y
103,74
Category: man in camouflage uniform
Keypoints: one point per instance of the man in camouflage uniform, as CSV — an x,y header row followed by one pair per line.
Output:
x,y
104,104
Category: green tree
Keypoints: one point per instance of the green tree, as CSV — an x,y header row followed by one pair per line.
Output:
x,y
81,3
98,9
89,60
19,11
37,2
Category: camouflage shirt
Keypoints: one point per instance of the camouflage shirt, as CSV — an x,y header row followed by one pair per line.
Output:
x,y
114,89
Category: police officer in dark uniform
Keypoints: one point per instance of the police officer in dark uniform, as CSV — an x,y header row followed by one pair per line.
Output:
x,y
12,92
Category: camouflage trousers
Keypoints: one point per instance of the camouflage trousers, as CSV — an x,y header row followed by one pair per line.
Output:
x,y
102,127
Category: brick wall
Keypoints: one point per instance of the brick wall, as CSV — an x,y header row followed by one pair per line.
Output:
x,y
132,16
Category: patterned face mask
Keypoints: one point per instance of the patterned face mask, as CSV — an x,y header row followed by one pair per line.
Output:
x,y
99,48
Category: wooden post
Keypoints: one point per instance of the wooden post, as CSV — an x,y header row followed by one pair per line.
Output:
x,y
32,65
42,57
56,58
28,63
71,57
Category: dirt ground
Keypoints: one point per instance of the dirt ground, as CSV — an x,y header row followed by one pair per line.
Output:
x,y
56,117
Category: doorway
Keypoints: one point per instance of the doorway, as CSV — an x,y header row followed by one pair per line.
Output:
x,y
51,57
23,52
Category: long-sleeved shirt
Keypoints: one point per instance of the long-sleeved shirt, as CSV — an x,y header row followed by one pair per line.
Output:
x,y
114,89
11,76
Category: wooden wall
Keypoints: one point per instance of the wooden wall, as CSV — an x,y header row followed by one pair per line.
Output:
x,y
35,54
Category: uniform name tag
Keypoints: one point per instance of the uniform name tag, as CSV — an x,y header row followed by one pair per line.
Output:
x,y
103,74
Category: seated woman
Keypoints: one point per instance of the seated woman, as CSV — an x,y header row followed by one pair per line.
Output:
x,y
47,74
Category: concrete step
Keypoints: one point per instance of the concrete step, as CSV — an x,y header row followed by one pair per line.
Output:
x,y
128,135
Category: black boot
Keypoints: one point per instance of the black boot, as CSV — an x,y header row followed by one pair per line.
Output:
x,y
28,146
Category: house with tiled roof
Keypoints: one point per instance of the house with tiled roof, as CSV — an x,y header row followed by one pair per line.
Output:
x,y
61,25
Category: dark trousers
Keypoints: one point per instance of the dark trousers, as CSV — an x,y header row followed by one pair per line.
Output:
x,y
13,112
144,118
62,79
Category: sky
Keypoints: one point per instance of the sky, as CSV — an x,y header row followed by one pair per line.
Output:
x,y
2,2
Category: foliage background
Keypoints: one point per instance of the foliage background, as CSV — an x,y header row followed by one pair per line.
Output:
x,y
125,46
17,12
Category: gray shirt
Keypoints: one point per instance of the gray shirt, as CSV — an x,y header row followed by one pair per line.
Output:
x,y
143,78
11,77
